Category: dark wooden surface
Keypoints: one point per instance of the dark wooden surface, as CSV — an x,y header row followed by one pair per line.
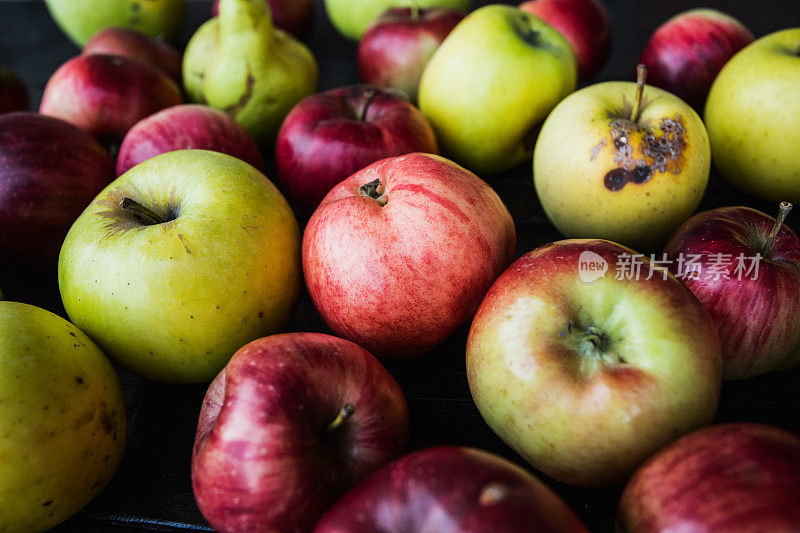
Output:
x,y
152,489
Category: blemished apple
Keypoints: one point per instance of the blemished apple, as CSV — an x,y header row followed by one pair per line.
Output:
x,y
396,48
294,16
586,364
486,99
106,95
63,419
685,54
586,25
330,135
132,44
400,254
450,489
744,267
291,423
751,114
181,261
13,92
729,477
183,127
621,161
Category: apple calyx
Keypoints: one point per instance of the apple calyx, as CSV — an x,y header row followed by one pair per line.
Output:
x,y
374,189
765,248
145,215
641,78
591,343
345,412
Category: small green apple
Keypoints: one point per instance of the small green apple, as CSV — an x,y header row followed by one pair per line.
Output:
x,y
492,82
62,419
752,114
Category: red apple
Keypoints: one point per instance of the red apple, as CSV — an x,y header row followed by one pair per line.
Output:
x,y
396,48
134,45
585,24
686,53
753,301
450,489
329,136
13,92
731,477
400,254
187,126
294,16
291,423
106,95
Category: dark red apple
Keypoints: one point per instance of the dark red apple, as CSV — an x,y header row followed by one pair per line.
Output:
x,y
294,16
106,95
13,92
731,477
585,24
753,302
290,424
329,136
686,53
450,489
134,45
187,126
396,48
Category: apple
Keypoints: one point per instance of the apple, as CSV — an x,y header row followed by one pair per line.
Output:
x,y
586,358
49,172
329,136
686,53
63,417
399,254
621,161
291,423
396,48
181,261
751,114
135,45
187,126
450,489
586,25
13,92
106,95
729,477
490,85
294,16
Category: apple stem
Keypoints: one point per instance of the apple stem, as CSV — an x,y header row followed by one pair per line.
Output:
x,y
784,210
641,78
147,216
415,10
345,412
374,189
369,94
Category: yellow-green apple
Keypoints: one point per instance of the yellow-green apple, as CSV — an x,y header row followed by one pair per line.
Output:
x,y
450,489
294,16
130,43
63,419
292,422
329,136
751,114
586,358
490,85
729,477
181,261
621,161
240,63
13,92
739,262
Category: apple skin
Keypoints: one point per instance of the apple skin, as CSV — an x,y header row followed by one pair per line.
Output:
x,y
13,92
173,301
264,458
450,489
49,172
330,135
106,95
380,275
757,335
395,50
294,16
686,53
187,126
586,25
633,363
729,477
135,45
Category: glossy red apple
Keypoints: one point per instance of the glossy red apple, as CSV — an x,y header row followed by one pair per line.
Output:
x,y
13,92
686,53
400,254
291,423
732,478
132,44
329,136
450,489
294,16
585,24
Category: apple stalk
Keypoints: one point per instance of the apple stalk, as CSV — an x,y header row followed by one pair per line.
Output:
x,y
641,78
345,412
145,214
783,211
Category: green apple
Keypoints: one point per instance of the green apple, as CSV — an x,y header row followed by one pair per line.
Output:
x,y
181,261
752,115
492,82
81,19
62,419
240,63
603,168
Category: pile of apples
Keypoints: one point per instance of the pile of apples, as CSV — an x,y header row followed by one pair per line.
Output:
x,y
141,179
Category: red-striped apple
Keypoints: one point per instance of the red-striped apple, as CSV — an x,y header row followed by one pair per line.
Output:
x,y
118,41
